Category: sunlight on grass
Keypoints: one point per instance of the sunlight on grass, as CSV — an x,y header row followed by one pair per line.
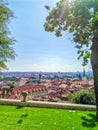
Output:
x,y
31,118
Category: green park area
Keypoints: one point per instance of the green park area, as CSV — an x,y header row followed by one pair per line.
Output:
x,y
33,118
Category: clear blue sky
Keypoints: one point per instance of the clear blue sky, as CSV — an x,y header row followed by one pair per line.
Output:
x,y
36,49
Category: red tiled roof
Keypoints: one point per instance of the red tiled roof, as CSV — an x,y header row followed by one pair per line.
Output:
x,y
29,88
52,94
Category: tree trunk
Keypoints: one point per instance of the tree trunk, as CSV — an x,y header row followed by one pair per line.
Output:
x,y
94,63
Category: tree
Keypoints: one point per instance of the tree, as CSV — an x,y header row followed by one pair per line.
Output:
x,y
12,85
6,49
79,17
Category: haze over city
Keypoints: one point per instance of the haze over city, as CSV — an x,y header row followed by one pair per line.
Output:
x,y
36,49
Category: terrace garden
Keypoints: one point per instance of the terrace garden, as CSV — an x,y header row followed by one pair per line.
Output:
x,y
33,118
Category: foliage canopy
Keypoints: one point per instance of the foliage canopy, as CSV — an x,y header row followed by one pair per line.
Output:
x,y
6,50
79,17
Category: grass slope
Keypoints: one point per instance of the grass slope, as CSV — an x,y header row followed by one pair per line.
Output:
x,y
31,118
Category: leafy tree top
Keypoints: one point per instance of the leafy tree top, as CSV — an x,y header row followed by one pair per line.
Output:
x,y
79,17
6,49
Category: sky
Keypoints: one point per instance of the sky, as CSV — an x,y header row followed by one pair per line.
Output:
x,y
36,49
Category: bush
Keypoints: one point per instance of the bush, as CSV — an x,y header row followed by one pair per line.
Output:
x,y
84,97
12,85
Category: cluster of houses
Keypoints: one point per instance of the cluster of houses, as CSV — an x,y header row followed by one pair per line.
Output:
x,y
43,89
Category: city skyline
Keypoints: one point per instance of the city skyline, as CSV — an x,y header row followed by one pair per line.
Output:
x,y
36,49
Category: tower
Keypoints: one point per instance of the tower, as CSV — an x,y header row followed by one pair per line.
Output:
x,y
84,76
83,72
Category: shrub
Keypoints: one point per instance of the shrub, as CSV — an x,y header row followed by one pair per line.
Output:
x,y
12,85
84,97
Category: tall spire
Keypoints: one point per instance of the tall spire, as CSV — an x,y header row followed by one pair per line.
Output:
x,y
83,72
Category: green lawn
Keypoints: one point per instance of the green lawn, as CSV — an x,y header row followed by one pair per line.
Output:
x,y
31,118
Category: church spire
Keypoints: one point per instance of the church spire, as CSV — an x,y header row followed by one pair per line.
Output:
x,y
83,72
